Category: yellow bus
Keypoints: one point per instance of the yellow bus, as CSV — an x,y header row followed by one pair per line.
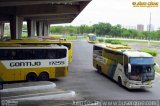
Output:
x,y
130,68
68,44
33,63
92,38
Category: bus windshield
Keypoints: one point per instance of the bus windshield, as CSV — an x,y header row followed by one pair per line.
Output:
x,y
142,72
142,60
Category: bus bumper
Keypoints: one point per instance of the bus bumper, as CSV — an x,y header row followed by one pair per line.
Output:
x,y
139,85
131,86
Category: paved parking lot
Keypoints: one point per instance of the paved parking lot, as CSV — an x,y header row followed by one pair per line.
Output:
x,y
84,79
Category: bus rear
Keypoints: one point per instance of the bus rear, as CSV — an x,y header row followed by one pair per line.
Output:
x,y
33,63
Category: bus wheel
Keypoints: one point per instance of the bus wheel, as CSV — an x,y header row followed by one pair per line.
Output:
x,y
119,81
31,77
43,76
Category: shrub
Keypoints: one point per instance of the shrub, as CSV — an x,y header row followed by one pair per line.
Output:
x,y
108,41
113,41
152,52
100,40
71,37
125,44
116,42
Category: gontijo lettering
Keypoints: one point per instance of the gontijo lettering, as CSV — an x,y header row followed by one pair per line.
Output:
x,y
23,64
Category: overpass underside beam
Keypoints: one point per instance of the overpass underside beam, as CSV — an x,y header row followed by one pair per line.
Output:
x,y
44,12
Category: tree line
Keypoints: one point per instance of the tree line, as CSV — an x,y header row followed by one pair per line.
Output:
x,y
103,29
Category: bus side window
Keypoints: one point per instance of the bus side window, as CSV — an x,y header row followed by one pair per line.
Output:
x,y
126,69
61,53
13,54
27,54
19,54
40,54
5,55
57,54
97,50
51,54
10,54
1,54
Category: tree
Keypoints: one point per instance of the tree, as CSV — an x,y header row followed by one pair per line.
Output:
x,y
102,28
125,33
24,27
116,30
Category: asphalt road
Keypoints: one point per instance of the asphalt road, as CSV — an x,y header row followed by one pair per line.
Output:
x,y
84,79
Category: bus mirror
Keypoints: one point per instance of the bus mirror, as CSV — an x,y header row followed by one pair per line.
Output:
x,y
156,67
129,68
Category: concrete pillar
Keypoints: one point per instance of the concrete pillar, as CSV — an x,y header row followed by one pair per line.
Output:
x,y
48,29
45,29
1,30
16,27
31,27
39,28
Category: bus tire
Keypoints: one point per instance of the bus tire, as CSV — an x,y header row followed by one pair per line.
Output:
x,y
31,77
119,81
43,76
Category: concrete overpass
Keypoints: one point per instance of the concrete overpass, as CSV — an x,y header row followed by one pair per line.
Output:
x,y
39,14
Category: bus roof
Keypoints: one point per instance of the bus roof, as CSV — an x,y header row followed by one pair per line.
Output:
x,y
9,45
33,46
124,50
33,41
114,47
135,53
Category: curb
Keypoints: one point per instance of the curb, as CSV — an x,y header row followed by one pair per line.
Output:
x,y
28,88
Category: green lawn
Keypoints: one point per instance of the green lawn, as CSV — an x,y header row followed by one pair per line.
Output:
x,y
71,37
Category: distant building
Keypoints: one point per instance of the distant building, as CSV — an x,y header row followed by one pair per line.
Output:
x,y
140,27
150,27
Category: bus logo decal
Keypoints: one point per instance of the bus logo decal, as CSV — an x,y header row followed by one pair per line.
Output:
x,y
24,64
34,63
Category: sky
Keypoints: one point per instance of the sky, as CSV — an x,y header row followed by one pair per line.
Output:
x,y
118,12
